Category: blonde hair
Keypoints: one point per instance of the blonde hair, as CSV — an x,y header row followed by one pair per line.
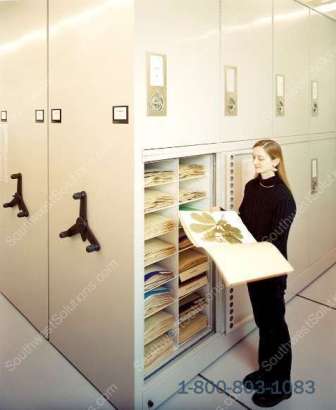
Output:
x,y
274,150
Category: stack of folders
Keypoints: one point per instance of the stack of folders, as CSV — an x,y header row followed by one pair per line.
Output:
x,y
157,299
191,170
156,199
193,284
157,325
158,350
191,264
156,224
190,327
191,305
156,275
187,195
157,249
184,241
156,176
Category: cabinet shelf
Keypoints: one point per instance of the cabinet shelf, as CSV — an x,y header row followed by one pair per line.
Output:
x,y
161,209
161,284
160,362
152,262
193,200
192,291
185,249
161,308
161,233
193,178
195,338
156,184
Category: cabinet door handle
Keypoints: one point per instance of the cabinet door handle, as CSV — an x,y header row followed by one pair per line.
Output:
x,y
81,225
18,198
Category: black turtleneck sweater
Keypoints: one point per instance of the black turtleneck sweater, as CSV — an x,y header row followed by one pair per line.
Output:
x,y
268,209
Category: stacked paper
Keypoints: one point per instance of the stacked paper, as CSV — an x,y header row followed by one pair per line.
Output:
x,y
158,350
184,241
191,258
157,299
158,324
156,275
189,328
156,224
157,249
192,263
157,199
190,306
155,176
191,170
187,195
193,284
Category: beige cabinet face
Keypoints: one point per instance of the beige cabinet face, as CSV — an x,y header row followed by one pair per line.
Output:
x,y
322,70
322,226
297,164
246,45
187,34
291,60
92,294
23,149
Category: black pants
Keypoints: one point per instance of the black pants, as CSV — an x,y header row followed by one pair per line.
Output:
x,y
274,353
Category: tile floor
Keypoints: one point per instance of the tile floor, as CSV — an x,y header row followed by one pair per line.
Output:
x,y
46,381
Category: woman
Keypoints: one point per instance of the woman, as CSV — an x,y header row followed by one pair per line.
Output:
x,y
268,209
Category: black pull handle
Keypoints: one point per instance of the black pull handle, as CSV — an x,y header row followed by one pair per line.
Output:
x,y
92,248
18,198
79,195
81,226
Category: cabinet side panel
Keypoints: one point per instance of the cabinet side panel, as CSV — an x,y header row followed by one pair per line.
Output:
x,y
24,149
92,294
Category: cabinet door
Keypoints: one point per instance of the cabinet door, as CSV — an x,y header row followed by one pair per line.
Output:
x,y
322,226
23,148
323,71
291,59
92,294
296,158
187,32
247,45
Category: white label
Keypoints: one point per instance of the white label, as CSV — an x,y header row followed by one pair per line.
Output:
x,y
120,113
314,168
280,85
4,115
56,115
39,115
156,71
314,90
230,80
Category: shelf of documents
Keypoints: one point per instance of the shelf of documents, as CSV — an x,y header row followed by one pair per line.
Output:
x,y
178,278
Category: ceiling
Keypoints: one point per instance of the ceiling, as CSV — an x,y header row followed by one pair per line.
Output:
x,y
327,7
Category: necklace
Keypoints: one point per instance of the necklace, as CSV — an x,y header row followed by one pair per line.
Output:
x,y
265,186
